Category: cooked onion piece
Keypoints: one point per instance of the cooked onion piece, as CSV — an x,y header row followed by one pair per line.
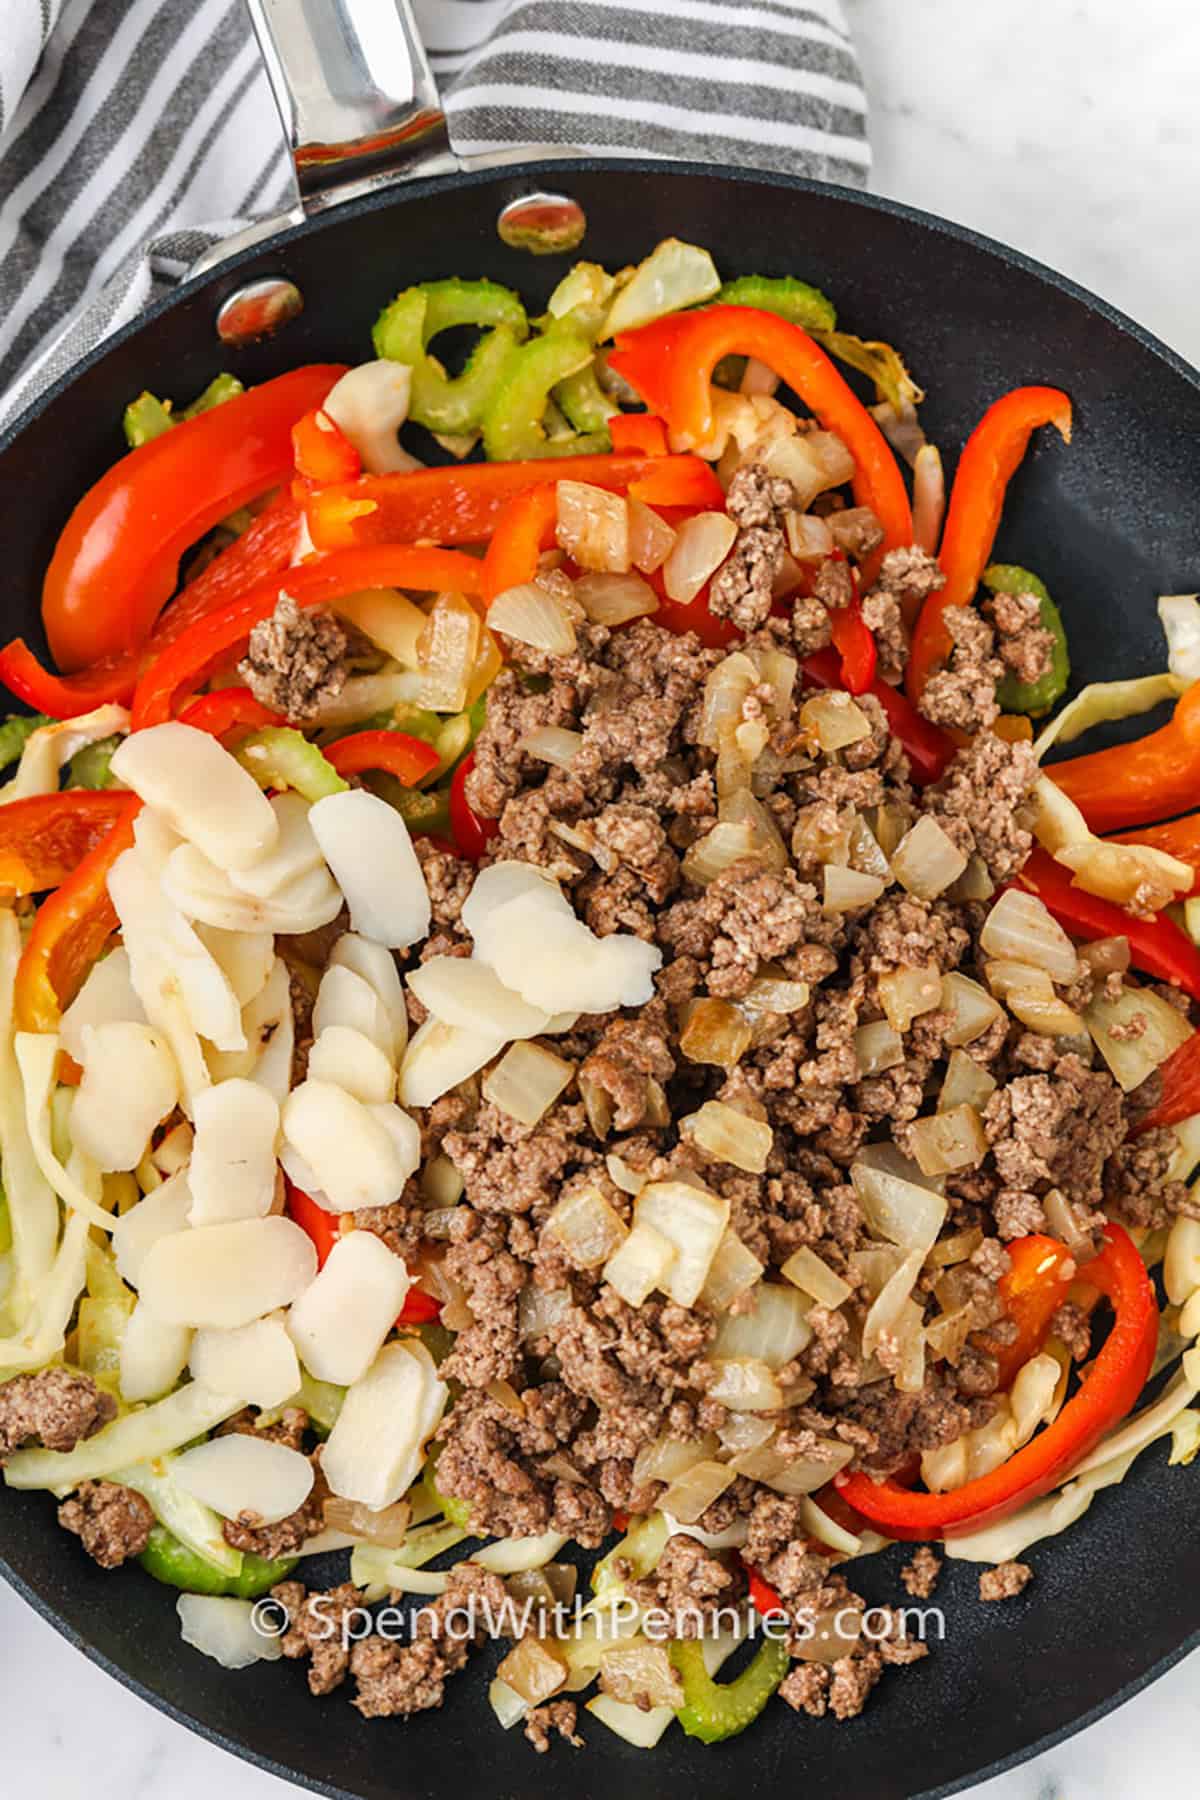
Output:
x,y
552,744
201,791
339,1323
691,1494
885,1310
532,1670
732,1272
373,1454
226,1275
1158,1028
446,653
593,527
715,1031
531,614
877,1047
589,1229
239,1475
641,1264
701,545
258,1362
834,720
691,1219
357,1157
845,890
967,1083
813,1276
926,861
744,1383
775,1330
1020,928
1133,875
972,1008
391,620
527,1081
896,1209
905,994
809,537
650,542
953,1139
232,1173
728,1135
130,1082
440,1056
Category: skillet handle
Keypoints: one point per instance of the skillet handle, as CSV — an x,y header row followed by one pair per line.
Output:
x,y
359,103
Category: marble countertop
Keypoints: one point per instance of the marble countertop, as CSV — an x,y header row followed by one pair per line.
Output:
x,y
1067,128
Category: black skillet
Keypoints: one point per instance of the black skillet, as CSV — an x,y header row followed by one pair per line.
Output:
x,y
1109,523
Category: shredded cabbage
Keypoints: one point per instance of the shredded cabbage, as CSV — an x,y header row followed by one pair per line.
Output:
x,y
673,276
1104,702
196,1525
1180,615
37,1058
138,1437
32,1209
51,746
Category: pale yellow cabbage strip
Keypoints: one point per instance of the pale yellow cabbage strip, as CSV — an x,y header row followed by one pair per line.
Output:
x,y
137,1437
32,1208
1104,702
51,747
37,1058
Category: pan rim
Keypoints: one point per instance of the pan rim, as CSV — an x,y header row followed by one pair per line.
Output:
x,y
517,176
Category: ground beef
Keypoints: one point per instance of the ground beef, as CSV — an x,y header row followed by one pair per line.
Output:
x,y
400,1679
559,1716
1005,1581
908,576
811,628
56,1408
746,916
856,531
492,1458
630,1057
112,1522
1054,1130
833,584
489,1349
1137,1187
317,1633
288,1429
920,1575
1072,1325
963,694
508,1167
1022,641
982,802
296,660
689,1585
756,497
743,587
881,613
448,879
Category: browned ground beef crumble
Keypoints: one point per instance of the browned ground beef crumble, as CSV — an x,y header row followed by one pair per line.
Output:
x,y
554,1447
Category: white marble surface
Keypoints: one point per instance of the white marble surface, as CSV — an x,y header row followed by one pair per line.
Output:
x,y
1068,128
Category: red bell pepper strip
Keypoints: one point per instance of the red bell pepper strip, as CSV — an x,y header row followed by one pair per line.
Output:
x,y
212,640
117,561
620,1519
671,362
419,1308
763,1597
1039,1279
322,450
1180,838
407,758
1130,784
853,642
472,832
228,709
43,838
1115,1380
928,749
991,456
1180,1093
265,548
461,505
1157,946
324,1228
524,528
638,431
70,930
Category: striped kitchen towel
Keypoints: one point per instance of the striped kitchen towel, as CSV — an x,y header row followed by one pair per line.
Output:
x,y
136,133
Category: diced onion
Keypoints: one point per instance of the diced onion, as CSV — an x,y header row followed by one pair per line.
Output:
x,y
238,1474
391,620
925,861
809,537
640,1264
1019,927
650,541
532,1670
812,461
813,1276
691,1219
729,1136
527,1081
955,1249
905,994
888,1304
972,1008
845,890
593,527
386,1528
667,1458
693,1492
641,1672
701,545
744,1383
530,614
552,744
952,1139
615,599
733,1270
1127,874
834,720
877,1047
805,1475
714,1031
898,1210
447,652
967,1083
1132,1059
775,1330
587,1227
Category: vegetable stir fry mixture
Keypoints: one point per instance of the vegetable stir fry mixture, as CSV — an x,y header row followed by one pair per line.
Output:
x,y
549,993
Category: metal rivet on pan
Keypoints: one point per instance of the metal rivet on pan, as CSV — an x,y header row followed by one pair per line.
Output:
x,y
543,224
258,310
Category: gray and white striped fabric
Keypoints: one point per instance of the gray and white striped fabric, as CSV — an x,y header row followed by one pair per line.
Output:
x,y
135,133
